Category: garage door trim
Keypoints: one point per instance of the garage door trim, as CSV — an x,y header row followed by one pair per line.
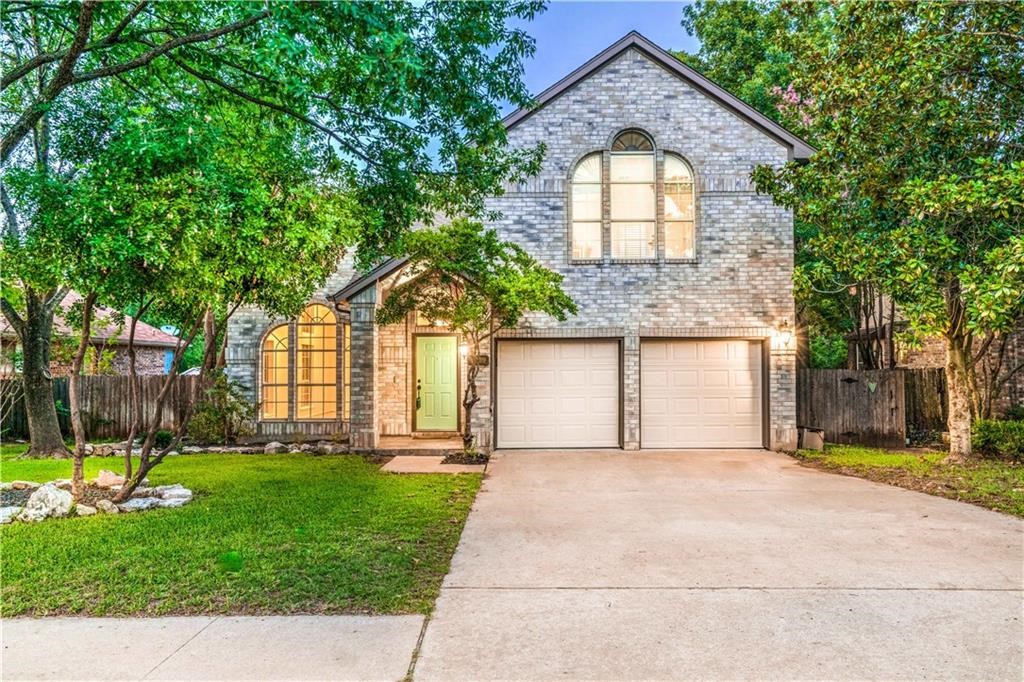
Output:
x,y
555,339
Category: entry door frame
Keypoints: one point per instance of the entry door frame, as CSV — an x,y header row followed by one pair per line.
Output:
x,y
458,383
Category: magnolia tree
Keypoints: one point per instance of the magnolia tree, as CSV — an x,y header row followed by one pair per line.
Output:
x,y
403,99
477,284
918,182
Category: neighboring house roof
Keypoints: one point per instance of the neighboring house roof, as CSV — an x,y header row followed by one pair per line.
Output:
x,y
105,330
799,149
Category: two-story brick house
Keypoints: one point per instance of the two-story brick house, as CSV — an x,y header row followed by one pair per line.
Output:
x,y
681,272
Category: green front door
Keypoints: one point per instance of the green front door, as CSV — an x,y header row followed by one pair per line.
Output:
x,y
436,384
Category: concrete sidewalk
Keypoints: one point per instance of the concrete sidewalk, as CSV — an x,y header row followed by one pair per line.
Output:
x,y
210,648
722,565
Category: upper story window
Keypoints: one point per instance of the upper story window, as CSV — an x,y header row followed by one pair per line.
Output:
x,y
615,203
586,208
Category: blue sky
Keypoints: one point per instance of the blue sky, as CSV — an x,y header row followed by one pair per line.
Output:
x,y
570,33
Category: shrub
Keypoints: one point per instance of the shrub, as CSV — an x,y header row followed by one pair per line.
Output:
x,y
1004,439
222,414
163,438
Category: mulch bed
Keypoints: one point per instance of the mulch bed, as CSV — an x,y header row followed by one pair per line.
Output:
x,y
463,458
93,494
14,498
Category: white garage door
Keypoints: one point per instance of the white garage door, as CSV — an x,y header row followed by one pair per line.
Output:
x,y
558,394
697,394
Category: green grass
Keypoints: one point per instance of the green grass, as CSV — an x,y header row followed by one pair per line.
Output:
x,y
989,483
264,534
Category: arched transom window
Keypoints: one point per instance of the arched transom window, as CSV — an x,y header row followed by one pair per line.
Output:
x,y
304,356
615,203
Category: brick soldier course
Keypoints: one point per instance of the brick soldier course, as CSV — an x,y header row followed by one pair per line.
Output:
x,y
738,285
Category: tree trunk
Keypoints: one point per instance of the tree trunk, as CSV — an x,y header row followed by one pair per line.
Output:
x,y
75,399
469,400
43,427
958,384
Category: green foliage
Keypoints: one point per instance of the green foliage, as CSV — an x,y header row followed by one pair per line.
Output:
x,y
1003,439
465,275
164,438
916,182
222,414
403,98
327,534
828,351
740,48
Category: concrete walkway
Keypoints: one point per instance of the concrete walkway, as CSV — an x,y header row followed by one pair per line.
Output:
x,y
210,648
722,565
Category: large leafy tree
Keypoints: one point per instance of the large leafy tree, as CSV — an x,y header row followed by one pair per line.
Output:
x,y
477,284
404,98
918,182
743,47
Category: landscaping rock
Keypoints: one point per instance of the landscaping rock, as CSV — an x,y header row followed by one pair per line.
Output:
x,y
106,507
108,479
8,514
64,483
274,448
48,500
173,502
142,491
24,485
169,492
191,450
85,510
90,449
139,504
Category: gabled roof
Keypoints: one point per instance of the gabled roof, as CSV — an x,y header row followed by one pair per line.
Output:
x,y
799,149
360,282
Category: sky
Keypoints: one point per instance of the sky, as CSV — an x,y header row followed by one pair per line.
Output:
x,y
570,33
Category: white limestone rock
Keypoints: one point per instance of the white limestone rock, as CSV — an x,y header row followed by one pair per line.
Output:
x,y
85,510
47,501
274,448
8,514
106,507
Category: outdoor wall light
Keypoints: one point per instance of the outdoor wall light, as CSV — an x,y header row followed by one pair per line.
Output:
x,y
782,336
463,349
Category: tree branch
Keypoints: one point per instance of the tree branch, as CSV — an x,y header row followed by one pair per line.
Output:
x,y
61,80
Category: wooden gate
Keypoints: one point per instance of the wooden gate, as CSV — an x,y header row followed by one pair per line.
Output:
x,y
853,406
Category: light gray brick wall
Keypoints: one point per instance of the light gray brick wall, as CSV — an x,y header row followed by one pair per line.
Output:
x,y
741,282
739,285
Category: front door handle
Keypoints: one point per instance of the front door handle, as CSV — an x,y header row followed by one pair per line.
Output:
x,y
419,390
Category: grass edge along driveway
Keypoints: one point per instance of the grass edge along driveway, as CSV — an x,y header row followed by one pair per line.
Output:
x,y
265,534
993,484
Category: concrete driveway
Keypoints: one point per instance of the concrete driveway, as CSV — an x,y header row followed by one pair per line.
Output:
x,y
722,565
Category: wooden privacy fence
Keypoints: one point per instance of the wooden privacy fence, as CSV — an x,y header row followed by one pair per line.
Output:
x,y
880,407
105,405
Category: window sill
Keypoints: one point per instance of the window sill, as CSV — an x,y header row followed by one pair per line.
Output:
x,y
682,261
633,261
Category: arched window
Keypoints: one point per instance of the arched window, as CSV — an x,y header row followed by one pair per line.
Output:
x,y
679,232
615,201
634,212
586,208
274,384
316,353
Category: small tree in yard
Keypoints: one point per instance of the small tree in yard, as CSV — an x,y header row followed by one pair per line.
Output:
x,y
477,284
185,214
918,182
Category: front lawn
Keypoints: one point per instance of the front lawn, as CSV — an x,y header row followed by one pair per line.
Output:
x,y
988,483
264,534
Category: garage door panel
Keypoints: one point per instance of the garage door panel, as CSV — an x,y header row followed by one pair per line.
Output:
x,y
700,393
571,389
